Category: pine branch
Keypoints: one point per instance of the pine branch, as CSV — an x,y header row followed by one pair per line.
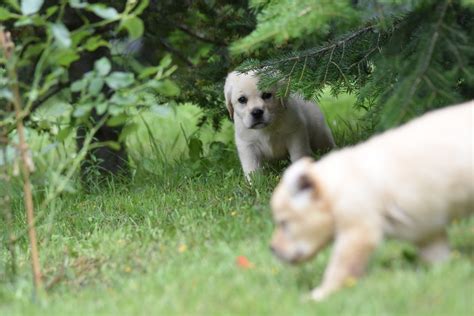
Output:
x,y
184,28
314,52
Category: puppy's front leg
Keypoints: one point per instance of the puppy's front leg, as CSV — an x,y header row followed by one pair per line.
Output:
x,y
298,147
348,261
249,159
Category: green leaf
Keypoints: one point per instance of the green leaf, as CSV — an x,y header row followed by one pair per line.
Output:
x,y
64,133
117,120
6,94
95,86
165,62
128,130
78,4
161,110
61,34
124,99
29,7
78,85
166,87
102,66
66,57
115,109
50,11
95,42
100,108
117,80
82,109
104,12
148,71
134,26
5,14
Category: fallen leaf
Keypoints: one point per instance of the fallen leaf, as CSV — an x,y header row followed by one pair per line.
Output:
x,y
244,263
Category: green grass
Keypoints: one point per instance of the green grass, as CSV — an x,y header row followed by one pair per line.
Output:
x,y
168,245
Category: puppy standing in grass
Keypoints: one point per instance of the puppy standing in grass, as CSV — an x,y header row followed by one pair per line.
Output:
x,y
407,183
268,128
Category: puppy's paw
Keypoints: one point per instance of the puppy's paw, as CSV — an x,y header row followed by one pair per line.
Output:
x,y
319,294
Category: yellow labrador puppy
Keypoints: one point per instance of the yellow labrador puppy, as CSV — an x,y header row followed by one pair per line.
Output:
x,y
268,128
408,183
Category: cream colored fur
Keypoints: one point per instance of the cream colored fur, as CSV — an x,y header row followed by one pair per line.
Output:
x,y
408,183
288,127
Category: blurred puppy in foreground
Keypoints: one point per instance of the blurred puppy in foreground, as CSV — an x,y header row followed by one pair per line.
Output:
x,y
408,183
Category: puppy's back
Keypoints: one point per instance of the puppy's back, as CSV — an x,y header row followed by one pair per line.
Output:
x,y
424,169
320,135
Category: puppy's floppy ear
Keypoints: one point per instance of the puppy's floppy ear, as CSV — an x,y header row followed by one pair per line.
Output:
x,y
301,183
306,184
228,95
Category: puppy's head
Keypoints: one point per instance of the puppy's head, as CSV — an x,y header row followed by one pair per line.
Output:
x,y
302,215
255,108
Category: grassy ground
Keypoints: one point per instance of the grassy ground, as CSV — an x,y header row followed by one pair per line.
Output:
x,y
170,245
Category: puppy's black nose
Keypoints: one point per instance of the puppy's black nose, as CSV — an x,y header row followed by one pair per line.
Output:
x,y
257,113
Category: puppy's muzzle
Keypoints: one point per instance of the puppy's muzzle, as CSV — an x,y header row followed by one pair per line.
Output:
x,y
257,113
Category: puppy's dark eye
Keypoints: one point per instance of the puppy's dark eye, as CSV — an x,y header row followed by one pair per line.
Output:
x,y
242,100
266,95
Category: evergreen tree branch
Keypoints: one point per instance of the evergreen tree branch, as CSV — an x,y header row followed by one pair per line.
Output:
x,y
184,28
424,61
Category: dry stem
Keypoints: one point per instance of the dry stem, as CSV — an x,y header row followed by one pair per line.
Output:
x,y
26,164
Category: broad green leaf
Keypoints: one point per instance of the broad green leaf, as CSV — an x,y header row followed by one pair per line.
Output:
x,y
100,108
78,85
134,26
95,86
54,110
6,94
64,133
61,34
128,130
66,57
166,87
122,99
104,12
29,7
81,110
23,21
117,80
115,109
161,110
78,36
102,66
5,14
117,120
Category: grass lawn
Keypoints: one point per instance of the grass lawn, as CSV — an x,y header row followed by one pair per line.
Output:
x,y
169,245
